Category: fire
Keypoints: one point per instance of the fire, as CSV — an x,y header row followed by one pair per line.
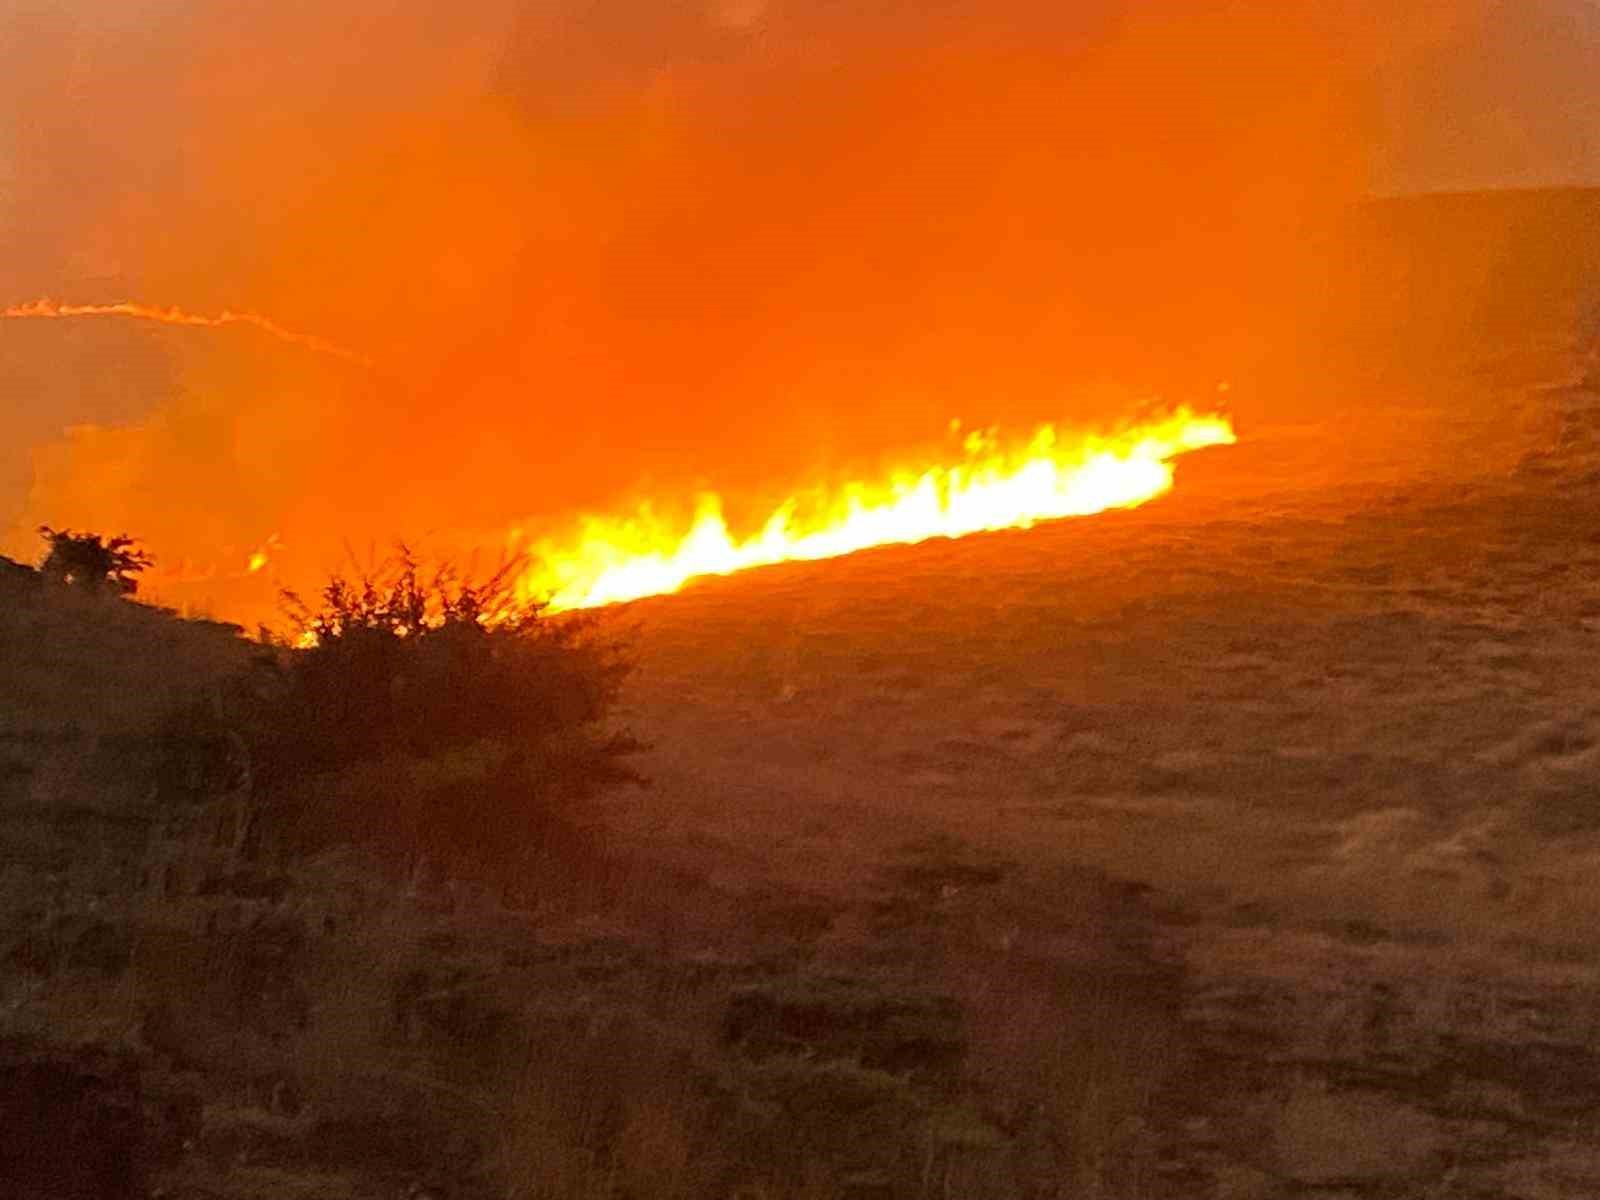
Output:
x,y
1052,475
262,555
50,309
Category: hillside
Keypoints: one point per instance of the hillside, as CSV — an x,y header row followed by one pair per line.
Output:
x,y
85,686
1330,707
98,668
1241,845
653,1016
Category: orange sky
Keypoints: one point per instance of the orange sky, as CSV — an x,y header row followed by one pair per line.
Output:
x,y
604,249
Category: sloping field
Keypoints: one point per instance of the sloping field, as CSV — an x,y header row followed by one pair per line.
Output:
x,y
1265,667
1330,710
1348,737
1242,845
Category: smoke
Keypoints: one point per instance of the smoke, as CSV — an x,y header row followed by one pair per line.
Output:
x,y
602,249
1507,100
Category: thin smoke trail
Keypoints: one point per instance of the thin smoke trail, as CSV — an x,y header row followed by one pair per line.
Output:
x,y
51,309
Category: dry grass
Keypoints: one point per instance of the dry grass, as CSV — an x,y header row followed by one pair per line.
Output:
x,y
604,1109
1211,694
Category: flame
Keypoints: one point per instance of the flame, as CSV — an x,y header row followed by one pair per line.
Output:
x,y
262,555
53,310
1051,475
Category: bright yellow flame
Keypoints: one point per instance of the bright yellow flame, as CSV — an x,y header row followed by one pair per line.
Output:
x,y
1052,475
262,555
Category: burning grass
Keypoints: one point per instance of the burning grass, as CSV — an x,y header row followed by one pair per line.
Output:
x,y
1054,474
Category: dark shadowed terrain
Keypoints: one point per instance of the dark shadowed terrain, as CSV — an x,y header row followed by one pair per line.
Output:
x,y
1242,845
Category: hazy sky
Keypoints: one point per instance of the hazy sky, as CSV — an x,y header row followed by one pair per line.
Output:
x,y
1511,100
600,246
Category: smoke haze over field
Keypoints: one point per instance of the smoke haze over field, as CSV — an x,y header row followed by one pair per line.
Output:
x,y
597,247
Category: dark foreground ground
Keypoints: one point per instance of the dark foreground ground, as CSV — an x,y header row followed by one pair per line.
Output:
x,y
1239,846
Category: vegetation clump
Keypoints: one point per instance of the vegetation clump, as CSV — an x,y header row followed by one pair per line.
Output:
x,y
837,1017
412,667
92,562
439,721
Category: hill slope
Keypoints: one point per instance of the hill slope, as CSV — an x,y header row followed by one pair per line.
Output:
x,y
1239,845
1333,701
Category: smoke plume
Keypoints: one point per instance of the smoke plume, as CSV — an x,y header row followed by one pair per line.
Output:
x,y
598,250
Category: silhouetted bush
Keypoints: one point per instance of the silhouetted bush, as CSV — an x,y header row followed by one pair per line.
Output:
x,y
435,719
400,666
90,562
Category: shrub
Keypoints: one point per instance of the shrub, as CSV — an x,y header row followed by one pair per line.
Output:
x,y
400,666
91,562
430,718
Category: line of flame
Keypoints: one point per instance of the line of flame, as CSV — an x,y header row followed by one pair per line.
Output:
x,y
1053,475
176,316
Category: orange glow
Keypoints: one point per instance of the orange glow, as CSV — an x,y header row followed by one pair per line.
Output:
x,y
699,252
50,309
1054,474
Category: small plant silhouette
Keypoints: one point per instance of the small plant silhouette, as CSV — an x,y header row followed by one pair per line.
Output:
x,y
92,562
